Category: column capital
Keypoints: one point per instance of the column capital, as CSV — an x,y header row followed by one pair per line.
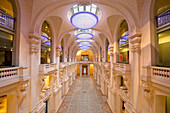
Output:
x,y
135,41
34,42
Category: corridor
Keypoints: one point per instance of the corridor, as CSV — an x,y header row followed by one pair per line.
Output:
x,y
84,96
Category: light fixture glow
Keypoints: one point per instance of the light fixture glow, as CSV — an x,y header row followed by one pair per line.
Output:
x,y
84,34
84,20
84,43
84,16
48,43
44,37
84,47
89,40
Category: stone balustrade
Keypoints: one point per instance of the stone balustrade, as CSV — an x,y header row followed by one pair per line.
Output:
x,y
122,69
107,64
160,75
12,75
45,68
84,62
63,64
155,74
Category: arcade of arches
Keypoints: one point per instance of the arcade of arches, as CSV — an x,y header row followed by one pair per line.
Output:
x,y
45,69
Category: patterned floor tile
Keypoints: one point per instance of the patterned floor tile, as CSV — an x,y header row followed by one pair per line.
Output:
x,y
84,96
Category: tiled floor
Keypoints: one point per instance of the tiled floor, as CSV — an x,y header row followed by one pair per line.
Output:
x,y
84,97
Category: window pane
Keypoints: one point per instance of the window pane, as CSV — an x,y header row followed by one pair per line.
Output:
x,y
94,8
81,8
46,43
6,46
164,45
123,43
88,8
75,9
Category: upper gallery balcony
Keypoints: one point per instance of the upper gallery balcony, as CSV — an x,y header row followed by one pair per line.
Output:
x,y
12,75
158,75
46,68
122,69
164,19
63,64
6,20
84,62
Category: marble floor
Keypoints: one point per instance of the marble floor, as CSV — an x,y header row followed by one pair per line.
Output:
x,y
84,96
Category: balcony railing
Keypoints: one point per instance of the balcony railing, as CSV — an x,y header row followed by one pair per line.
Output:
x,y
6,20
84,62
63,64
163,19
12,75
45,68
122,68
159,75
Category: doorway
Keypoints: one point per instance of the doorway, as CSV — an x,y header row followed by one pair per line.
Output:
x,y
84,70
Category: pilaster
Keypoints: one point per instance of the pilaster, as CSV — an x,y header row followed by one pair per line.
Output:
x,y
111,63
34,46
135,67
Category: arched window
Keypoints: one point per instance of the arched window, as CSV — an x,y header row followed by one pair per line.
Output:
x,y
62,51
101,54
46,44
7,34
123,43
107,51
163,31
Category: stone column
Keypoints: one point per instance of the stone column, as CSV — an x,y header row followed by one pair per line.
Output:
x,y
135,68
111,64
80,69
35,45
88,69
65,54
58,64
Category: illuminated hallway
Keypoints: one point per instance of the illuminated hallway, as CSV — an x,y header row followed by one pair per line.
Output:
x,y
56,51
84,96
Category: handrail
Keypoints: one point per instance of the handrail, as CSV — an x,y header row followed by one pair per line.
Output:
x,y
162,72
163,19
10,72
6,20
45,68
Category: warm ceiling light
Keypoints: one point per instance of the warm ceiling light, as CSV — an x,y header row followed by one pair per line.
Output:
x,y
84,34
84,16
